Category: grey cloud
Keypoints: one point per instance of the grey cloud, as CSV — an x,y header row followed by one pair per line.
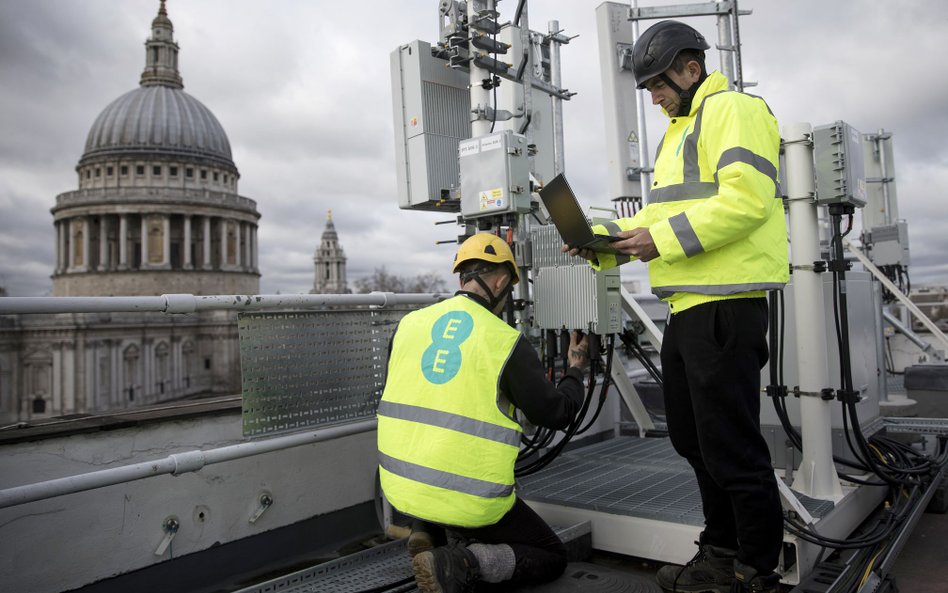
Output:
x,y
303,91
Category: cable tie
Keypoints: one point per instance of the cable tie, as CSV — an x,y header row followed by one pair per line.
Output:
x,y
847,396
840,266
825,393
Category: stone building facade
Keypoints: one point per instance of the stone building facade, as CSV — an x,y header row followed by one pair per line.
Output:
x,y
157,211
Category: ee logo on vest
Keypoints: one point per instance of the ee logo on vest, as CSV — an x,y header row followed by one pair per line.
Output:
x,y
442,359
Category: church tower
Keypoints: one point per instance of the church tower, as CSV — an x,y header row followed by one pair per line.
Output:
x,y
330,261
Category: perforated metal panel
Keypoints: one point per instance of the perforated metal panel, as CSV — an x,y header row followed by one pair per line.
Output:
x,y
313,368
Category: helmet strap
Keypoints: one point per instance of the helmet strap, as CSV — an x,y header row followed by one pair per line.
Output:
x,y
492,300
475,297
685,95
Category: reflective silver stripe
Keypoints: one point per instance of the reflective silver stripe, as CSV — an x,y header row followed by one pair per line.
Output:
x,y
739,154
715,289
690,171
685,234
689,152
683,191
611,228
434,477
661,142
477,428
762,101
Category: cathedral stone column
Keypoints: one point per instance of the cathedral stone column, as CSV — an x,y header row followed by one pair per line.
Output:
x,y
207,243
71,251
255,253
246,262
166,241
103,243
61,247
238,250
144,242
186,247
86,243
222,224
123,242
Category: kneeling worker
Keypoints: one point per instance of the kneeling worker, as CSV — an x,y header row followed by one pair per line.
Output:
x,y
448,437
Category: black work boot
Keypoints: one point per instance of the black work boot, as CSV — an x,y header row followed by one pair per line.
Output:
x,y
747,580
446,569
711,571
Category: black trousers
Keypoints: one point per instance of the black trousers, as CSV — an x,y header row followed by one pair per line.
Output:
x,y
711,356
540,555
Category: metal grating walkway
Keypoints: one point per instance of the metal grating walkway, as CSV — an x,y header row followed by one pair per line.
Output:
x,y
387,569
382,568
628,476
623,476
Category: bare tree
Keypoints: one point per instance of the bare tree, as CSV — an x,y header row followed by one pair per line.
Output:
x,y
382,281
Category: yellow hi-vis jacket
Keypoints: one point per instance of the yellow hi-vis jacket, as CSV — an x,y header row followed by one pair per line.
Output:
x,y
714,210
447,439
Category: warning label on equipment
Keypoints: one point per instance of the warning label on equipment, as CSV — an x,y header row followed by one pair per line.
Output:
x,y
492,199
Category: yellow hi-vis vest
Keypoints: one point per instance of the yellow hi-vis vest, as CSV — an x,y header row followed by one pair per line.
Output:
x,y
714,208
447,438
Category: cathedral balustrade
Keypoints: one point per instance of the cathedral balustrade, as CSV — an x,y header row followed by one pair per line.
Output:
x,y
124,195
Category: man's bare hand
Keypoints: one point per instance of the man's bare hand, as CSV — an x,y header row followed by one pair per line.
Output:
x,y
578,350
638,243
588,254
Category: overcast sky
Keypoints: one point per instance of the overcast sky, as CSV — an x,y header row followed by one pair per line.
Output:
x,y
303,90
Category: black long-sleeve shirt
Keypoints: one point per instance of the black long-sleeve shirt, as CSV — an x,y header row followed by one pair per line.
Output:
x,y
524,381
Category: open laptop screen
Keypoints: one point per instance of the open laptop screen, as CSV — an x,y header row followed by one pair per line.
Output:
x,y
568,217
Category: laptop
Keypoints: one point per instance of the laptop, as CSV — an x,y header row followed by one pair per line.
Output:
x,y
561,203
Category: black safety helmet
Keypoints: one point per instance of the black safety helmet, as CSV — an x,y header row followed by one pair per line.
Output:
x,y
657,48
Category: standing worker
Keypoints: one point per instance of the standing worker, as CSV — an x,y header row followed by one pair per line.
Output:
x,y
715,239
448,436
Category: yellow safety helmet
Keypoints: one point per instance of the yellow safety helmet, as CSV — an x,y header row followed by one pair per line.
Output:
x,y
490,248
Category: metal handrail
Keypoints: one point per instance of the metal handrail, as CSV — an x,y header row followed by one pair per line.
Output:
x,y
176,464
871,268
189,303
173,304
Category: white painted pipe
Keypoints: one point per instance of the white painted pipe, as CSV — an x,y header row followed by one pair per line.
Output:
x,y
189,303
176,464
816,476
480,97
